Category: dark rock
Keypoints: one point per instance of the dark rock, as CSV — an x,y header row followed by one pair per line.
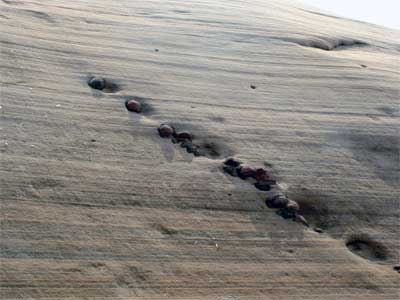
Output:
x,y
245,172
284,213
397,268
183,135
263,186
165,131
133,105
279,201
253,87
97,83
231,162
231,170
262,175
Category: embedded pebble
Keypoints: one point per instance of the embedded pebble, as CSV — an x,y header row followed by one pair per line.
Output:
x,y
183,135
232,162
253,87
292,206
319,230
133,105
397,268
97,83
263,186
286,214
278,201
262,175
231,170
165,131
246,172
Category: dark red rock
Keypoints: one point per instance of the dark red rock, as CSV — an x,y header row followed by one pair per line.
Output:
x,y
262,175
183,135
245,172
165,131
97,83
133,105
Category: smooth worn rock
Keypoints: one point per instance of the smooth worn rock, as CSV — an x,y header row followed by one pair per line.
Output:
x,y
165,131
278,201
262,175
245,172
97,83
232,162
183,135
133,105
231,170
263,185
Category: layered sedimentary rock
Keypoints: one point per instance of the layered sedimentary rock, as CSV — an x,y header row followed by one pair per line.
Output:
x,y
96,205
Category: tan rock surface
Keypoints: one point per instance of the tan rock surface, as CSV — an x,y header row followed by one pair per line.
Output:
x,y
95,205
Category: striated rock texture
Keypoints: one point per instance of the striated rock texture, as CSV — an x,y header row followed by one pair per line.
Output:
x,y
96,205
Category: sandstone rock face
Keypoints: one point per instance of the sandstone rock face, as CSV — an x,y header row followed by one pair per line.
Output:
x,y
96,205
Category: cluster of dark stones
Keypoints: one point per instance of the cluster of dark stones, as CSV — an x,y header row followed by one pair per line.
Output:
x,y
265,181
183,138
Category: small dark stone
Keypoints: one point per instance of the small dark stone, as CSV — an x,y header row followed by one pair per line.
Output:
x,y
230,170
284,213
253,87
165,131
245,172
364,66
196,152
156,50
397,268
262,175
319,230
183,135
189,146
279,201
232,162
93,140
133,105
263,186
97,83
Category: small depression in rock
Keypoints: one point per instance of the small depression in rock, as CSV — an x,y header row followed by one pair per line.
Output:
x,y
367,248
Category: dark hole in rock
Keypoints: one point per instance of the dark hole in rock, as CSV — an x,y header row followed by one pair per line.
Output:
x,y
367,248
